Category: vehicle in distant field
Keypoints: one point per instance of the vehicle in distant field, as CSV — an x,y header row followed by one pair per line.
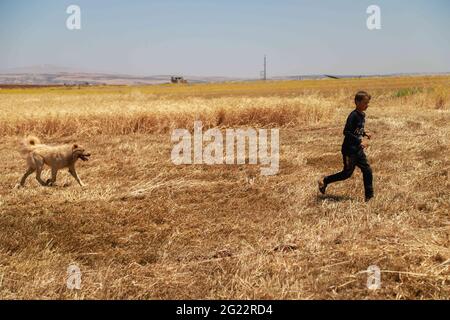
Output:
x,y
177,79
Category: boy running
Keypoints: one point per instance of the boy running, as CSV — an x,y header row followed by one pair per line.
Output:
x,y
353,148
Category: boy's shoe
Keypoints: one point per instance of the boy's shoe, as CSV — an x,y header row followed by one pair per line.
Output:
x,y
322,186
367,198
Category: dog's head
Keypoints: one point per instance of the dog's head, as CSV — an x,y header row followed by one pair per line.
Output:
x,y
78,152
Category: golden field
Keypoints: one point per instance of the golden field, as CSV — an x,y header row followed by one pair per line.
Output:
x,y
144,228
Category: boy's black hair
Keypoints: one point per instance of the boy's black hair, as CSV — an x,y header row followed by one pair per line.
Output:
x,y
360,95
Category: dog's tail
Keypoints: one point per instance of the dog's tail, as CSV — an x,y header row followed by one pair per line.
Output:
x,y
28,143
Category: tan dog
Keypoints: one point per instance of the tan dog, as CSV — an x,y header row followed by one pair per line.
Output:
x,y
56,157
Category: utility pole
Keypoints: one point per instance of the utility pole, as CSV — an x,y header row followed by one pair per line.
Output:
x,y
265,68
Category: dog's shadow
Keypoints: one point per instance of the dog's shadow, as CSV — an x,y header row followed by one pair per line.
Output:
x,y
59,186
335,198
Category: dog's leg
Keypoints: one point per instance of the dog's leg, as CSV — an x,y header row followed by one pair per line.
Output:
x,y
75,175
51,182
25,176
39,164
38,176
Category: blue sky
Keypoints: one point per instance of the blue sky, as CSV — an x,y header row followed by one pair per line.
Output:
x,y
227,37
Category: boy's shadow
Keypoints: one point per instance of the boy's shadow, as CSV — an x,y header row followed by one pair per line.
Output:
x,y
335,198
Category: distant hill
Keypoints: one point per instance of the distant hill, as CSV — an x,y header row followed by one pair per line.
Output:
x,y
56,75
71,78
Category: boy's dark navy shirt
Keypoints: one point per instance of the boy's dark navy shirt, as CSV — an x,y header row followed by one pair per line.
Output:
x,y
353,132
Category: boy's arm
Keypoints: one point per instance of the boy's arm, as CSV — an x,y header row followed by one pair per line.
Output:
x,y
349,130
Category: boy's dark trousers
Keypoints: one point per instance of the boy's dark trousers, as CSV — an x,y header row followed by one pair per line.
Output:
x,y
351,161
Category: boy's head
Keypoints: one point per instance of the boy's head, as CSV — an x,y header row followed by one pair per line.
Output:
x,y
362,100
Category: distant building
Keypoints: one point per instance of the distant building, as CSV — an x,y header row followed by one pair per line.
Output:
x,y
177,79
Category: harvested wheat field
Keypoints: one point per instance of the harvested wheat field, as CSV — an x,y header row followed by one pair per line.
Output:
x,y
144,228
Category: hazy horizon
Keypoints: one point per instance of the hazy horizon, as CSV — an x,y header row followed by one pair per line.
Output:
x,y
62,69
212,38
